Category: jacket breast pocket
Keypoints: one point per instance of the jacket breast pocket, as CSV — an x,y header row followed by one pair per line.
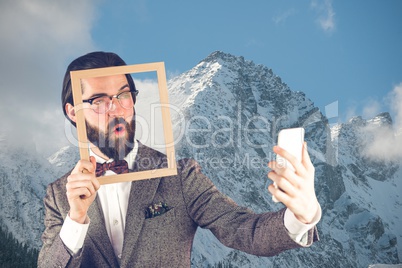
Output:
x,y
160,221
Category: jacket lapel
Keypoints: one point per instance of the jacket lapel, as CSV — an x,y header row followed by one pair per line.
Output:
x,y
98,234
141,195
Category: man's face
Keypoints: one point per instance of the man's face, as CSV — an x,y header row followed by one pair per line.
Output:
x,y
112,131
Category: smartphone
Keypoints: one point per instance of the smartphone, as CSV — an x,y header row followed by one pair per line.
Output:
x,y
290,139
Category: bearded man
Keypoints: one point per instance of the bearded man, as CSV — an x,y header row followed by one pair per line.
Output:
x,y
152,223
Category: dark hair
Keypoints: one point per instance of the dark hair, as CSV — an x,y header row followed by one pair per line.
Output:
x,y
91,60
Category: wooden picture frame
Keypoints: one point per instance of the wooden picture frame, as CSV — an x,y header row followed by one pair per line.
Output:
x,y
83,144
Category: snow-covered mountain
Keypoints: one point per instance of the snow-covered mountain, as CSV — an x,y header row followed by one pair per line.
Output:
x,y
227,113
23,176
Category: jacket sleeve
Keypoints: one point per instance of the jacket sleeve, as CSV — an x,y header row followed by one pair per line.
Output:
x,y
54,253
236,227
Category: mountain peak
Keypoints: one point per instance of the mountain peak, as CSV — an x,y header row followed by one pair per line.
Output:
x,y
356,120
382,119
231,61
216,55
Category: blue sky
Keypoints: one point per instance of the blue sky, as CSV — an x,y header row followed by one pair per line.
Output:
x,y
345,51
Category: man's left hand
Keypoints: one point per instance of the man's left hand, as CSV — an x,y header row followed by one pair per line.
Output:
x,y
295,188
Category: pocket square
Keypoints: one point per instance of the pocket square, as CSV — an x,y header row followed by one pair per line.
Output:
x,y
156,210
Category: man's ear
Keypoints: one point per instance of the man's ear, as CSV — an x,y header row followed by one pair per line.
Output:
x,y
70,112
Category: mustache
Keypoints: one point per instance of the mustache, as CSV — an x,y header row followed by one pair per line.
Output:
x,y
116,121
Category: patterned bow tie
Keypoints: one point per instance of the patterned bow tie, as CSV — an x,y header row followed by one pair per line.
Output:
x,y
118,167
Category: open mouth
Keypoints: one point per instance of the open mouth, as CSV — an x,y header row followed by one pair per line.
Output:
x,y
119,129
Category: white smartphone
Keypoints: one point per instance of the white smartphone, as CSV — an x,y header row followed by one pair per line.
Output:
x,y
290,139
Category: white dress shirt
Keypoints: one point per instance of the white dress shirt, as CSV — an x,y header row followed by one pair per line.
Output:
x,y
114,201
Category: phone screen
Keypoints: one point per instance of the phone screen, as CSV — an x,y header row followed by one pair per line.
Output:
x,y
290,139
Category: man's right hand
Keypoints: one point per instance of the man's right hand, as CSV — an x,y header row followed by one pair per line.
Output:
x,y
82,185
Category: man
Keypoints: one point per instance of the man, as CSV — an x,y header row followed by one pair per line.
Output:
x,y
152,223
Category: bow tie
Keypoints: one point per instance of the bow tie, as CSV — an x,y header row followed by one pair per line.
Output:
x,y
118,167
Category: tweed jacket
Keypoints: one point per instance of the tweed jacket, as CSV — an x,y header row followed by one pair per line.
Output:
x,y
165,240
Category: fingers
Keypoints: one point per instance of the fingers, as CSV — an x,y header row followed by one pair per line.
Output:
x,y
84,192
81,187
295,189
288,181
279,194
299,166
282,184
84,166
284,172
289,157
82,181
93,161
82,184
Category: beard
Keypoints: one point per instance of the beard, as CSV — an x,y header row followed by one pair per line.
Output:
x,y
116,147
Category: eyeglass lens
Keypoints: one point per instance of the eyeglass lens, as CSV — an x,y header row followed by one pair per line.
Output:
x,y
104,104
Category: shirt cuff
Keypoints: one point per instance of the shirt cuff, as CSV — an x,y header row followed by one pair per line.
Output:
x,y
73,234
298,230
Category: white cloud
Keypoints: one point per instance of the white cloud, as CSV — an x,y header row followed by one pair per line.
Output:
x,y
366,108
282,17
386,143
396,105
371,109
326,14
39,38
149,114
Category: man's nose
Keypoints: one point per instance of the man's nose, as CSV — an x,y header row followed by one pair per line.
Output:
x,y
115,108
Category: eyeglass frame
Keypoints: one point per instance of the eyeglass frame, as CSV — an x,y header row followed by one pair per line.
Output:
x,y
134,97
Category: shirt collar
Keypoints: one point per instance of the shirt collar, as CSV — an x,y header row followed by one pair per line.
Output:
x,y
130,158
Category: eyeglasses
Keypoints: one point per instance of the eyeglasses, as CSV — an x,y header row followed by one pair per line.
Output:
x,y
103,104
